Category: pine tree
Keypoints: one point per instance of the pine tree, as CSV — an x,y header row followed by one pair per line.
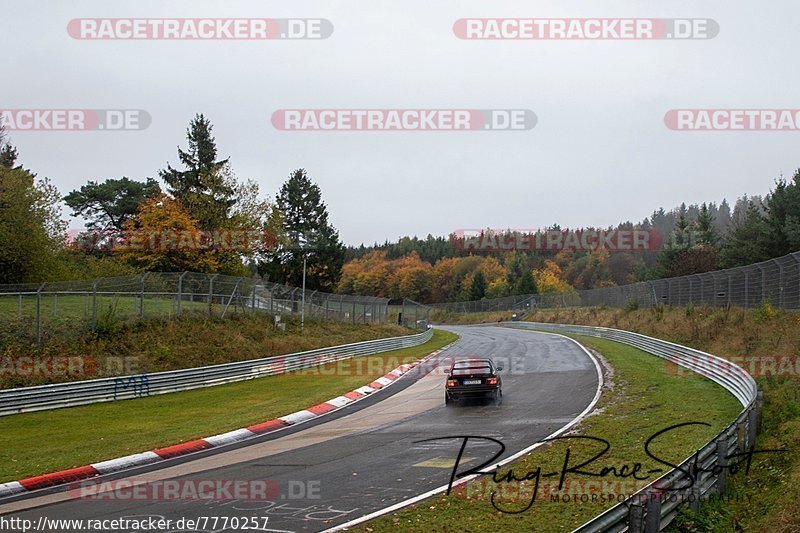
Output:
x,y
477,289
783,216
110,204
526,284
205,189
308,232
747,241
8,156
704,227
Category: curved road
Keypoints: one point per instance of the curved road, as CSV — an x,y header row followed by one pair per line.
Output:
x,y
366,457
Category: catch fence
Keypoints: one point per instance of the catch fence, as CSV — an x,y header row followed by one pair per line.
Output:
x,y
776,281
34,308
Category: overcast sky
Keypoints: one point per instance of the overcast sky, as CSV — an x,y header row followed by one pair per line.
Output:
x,y
599,154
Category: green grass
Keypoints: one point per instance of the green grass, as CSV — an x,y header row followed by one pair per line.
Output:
x,y
80,306
644,400
37,443
768,496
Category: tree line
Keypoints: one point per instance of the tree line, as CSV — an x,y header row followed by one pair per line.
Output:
x,y
696,238
187,223
201,198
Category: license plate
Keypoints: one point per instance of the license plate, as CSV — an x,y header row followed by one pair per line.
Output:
x,y
472,382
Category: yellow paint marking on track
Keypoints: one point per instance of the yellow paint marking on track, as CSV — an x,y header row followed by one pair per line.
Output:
x,y
443,462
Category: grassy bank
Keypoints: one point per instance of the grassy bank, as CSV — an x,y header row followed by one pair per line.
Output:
x,y
766,342
187,341
36,443
644,399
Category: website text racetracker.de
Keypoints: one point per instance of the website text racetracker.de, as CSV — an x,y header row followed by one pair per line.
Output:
x,y
403,119
636,240
135,524
74,119
584,28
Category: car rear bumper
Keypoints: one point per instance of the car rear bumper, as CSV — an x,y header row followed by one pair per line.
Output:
x,y
471,391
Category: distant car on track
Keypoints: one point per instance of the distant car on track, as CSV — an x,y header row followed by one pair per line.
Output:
x,y
473,378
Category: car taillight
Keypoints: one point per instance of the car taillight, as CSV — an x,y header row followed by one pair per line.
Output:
x,y
491,381
452,383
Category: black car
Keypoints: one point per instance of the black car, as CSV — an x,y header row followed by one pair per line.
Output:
x,y
473,378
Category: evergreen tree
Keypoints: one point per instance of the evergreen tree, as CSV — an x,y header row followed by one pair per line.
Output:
x,y
747,242
704,227
8,156
308,232
205,188
109,205
783,216
526,284
477,289
723,221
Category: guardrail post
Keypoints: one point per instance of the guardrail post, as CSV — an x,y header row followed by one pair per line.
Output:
x,y
722,464
741,436
694,496
752,427
759,409
652,521
635,518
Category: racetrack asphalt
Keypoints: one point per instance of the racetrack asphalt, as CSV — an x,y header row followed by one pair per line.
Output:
x,y
363,458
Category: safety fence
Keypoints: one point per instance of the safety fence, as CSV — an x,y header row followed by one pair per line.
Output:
x,y
33,308
655,506
59,395
776,281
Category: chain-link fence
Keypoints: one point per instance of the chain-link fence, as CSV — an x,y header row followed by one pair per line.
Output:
x,y
35,307
776,281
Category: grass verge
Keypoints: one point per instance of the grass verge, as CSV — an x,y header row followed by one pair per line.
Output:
x,y
766,342
644,399
37,443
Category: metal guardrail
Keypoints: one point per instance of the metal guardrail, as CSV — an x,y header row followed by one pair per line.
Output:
x,y
653,508
59,395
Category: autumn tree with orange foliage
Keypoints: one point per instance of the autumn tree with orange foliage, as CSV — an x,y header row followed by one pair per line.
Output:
x,y
163,237
450,279
551,278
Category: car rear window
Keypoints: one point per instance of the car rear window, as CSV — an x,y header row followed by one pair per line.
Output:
x,y
461,369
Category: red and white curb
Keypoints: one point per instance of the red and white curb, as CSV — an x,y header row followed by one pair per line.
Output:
x,y
115,465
